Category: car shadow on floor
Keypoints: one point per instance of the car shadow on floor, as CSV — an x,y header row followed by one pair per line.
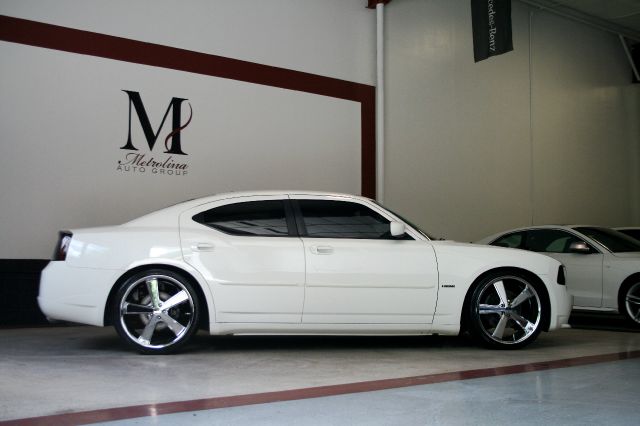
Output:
x,y
587,320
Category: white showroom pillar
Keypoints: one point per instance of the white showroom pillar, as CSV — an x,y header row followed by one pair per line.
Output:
x,y
380,102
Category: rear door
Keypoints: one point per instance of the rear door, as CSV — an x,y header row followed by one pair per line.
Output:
x,y
248,251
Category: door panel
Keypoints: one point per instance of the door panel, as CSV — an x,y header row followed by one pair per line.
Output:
x,y
370,281
584,277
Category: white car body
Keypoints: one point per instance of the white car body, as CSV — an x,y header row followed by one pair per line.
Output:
x,y
594,279
290,284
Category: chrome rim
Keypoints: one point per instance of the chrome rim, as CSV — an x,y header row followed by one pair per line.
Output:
x,y
509,310
632,301
156,311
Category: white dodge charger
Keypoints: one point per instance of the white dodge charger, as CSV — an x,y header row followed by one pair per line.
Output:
x,y
295,263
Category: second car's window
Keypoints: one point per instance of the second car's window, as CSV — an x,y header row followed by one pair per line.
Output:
x,y
341,219
511,240
550,241
258,218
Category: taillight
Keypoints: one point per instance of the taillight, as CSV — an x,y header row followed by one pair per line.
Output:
x,y
64,240
561,275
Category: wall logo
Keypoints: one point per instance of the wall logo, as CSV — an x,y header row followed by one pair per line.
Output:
x,y
165,163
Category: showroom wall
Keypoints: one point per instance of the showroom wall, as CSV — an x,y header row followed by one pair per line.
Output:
x,y
254,95
547,133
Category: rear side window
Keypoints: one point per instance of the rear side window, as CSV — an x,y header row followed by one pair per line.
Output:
x,y
342,219
252,218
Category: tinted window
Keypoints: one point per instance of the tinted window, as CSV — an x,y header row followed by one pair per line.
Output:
x,y
264,218
511,240
550,241
614,241
633,233
341,219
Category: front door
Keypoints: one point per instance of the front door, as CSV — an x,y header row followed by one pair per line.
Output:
x,y
584,270
356,272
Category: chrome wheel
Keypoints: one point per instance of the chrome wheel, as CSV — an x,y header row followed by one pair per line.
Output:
x,y
156,311
632,302
507,311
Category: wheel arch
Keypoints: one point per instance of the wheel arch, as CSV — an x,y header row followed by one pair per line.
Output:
x,y
546,317
204,306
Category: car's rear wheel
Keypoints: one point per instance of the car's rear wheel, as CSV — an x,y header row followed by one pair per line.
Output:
x,y
506,311
156,311
631,303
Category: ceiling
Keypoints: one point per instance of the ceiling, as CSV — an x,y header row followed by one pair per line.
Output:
x,y
618,16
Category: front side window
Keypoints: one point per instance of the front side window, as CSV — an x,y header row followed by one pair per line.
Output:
x,y
342,219
614,241
550,241
256,218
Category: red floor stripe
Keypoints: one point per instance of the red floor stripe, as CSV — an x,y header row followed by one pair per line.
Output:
x,y
109,414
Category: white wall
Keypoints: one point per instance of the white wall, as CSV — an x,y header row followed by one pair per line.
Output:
x,y
547,134
541,135
64,116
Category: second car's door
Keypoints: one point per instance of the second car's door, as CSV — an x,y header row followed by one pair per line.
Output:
x,y
356,273
248,251
584,270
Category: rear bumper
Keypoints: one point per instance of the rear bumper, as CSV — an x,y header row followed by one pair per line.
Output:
x,y
75,294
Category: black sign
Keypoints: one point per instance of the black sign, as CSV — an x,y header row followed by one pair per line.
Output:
x,y
491,21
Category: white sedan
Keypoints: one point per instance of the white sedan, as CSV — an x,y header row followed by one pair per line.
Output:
x,y
295,263
603,265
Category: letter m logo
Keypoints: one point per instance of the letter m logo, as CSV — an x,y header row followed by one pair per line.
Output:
x,y
149,134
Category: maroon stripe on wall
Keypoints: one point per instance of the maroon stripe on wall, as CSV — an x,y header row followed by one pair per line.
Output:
x,y
49,36
121,413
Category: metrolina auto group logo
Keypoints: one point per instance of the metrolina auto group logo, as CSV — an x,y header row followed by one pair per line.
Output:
x,y
167,163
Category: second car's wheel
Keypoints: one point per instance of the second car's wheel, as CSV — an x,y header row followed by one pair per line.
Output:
x,y
156,311
631,303
506,311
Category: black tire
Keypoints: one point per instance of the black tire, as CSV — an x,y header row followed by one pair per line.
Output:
x,y
630,303
506,311
156,329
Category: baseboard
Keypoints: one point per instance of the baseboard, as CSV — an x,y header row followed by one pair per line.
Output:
x,y
19,282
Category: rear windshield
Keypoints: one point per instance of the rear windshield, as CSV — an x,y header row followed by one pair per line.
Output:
x,y
614,241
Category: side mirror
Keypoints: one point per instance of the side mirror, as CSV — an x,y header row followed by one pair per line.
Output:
x,y
579,247
397,229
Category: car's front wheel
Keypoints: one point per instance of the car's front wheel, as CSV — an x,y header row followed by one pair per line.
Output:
x,y
506,311
631,303
156,311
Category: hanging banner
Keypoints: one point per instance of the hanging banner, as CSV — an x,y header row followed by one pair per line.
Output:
x,y
491,22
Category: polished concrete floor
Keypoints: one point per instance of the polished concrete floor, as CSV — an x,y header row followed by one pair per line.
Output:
x,y
70,370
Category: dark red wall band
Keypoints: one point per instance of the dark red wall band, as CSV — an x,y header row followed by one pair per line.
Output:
x,y
49,36
371,4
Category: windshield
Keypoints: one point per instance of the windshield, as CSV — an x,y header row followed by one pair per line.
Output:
x,y
417,228
613,241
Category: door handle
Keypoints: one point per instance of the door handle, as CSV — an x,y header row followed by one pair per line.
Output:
x,y
321,249
203,247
